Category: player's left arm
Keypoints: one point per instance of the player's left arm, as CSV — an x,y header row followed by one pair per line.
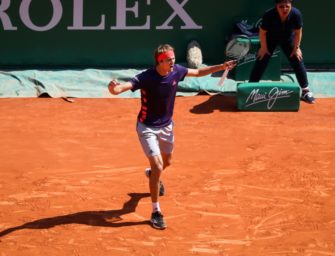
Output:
x,y
296,44
204,71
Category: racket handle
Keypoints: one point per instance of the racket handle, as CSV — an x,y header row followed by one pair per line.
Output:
x,y
223,77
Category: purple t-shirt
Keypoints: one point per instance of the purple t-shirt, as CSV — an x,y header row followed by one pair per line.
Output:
x,y
157,95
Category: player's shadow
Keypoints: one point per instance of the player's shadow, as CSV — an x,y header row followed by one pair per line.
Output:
x,y
224,103
111,218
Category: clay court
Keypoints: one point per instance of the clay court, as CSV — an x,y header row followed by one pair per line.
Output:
x,y
241,183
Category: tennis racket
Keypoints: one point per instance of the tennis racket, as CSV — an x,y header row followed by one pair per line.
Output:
x,y
236,49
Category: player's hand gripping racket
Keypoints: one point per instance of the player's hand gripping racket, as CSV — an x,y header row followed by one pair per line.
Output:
x,y
236,49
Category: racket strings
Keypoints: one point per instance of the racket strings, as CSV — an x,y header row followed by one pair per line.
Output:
x,y
237,50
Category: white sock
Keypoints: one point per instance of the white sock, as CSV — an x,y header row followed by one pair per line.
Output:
x,y
155,207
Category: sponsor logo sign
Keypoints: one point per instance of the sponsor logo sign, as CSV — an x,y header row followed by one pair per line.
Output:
x,y
122,11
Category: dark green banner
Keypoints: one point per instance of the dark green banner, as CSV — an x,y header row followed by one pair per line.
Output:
x,y
124,33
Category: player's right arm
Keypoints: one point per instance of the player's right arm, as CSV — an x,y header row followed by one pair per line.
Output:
x,y
264,46
116,88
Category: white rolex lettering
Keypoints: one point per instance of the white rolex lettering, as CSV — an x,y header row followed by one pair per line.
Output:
x,y
7,24
178,10
123,9
56,16
78,18
121,16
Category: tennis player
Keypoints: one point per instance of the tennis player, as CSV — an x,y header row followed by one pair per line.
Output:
x,y
282,26
158,87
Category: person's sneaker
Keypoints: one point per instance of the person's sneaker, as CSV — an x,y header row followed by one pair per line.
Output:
x,y
308,97
157,220
147,172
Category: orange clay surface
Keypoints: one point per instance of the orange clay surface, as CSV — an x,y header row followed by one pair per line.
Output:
x,y
242,183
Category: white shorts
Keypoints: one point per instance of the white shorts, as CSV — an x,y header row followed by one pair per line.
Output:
x,y
155,140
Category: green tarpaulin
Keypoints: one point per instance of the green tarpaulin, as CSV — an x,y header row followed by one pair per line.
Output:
x,y
92,83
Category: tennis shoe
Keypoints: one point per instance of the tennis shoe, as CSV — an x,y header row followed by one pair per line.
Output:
x,y
147,172
308,97
157,220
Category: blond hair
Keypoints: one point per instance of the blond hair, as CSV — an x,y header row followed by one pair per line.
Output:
x,y
161,49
